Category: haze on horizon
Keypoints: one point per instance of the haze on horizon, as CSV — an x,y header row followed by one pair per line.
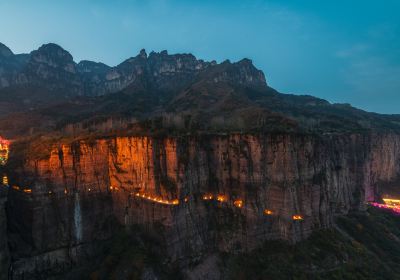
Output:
x,y
340,51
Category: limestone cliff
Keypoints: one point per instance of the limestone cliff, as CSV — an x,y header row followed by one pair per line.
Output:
x,y
4,252
200,195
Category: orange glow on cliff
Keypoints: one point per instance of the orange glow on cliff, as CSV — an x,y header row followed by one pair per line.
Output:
x,y
297,217
112,188
221,198
268,212
5,180
4,150
156,199
238,203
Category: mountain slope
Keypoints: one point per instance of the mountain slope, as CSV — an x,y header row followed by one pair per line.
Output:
x,y
160,92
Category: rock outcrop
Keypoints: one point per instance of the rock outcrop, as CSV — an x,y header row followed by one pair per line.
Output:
x,y
53,68
200,195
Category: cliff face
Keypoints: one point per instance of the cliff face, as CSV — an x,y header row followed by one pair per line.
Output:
x,y
200,195
4,252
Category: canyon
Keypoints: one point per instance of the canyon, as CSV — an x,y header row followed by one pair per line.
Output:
x,y
166,166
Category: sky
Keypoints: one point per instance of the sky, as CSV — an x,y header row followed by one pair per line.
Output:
x,y
342,51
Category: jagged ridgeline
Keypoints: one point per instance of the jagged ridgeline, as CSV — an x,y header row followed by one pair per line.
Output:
x,y
46,91
166,166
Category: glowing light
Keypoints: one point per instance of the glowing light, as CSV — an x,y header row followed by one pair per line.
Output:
x,y
157,199
297,217
268,212
175,202
391,207
238,203
221,198
186,199
27,190
16,188
391,201
4,151
5,180
207,196
65,191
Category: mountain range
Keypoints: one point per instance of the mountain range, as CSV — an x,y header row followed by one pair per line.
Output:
x,y
170,167
47,90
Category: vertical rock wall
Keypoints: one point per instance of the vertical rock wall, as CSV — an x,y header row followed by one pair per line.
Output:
x,y
4,252
165,185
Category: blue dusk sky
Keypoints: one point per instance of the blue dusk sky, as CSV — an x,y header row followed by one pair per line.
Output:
x,y
342,51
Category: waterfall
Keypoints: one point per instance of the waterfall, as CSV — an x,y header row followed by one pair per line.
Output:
x,y
77,218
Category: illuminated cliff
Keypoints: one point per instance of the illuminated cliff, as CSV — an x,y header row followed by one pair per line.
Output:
x,y
208,193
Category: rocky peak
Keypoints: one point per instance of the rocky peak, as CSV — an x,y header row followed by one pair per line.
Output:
x,y
143,53
242,72
54,56
165,63
249,73
53,68
5,51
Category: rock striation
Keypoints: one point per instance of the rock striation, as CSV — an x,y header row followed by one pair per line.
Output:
x,y
201,195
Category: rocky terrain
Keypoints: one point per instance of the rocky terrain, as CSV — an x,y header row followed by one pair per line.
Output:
x,y
166,166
